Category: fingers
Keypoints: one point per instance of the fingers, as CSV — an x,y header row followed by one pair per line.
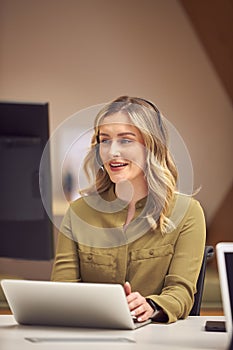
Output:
x,y
139,307
127,288
144,316
142,312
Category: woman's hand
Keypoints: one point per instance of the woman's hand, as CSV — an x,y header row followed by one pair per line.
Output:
x,y
138,305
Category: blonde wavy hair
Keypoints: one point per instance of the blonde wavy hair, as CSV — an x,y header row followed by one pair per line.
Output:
x,y
160,172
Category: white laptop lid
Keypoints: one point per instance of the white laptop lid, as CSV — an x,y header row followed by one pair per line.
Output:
x,y
69,304
224,251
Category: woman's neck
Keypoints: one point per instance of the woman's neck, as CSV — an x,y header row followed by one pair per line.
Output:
x,y
131,193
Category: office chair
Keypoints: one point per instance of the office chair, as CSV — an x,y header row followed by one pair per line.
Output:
x,y
195,311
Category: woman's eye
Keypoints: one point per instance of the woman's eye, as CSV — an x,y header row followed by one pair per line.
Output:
x,y
120,141
125,141
105,141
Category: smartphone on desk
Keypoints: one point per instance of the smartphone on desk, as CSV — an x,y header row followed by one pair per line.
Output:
x,y
215,326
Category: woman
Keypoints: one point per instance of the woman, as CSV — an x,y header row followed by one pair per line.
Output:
x,y
131,226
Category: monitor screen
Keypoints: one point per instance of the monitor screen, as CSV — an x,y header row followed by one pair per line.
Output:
x,y
26,231
229,271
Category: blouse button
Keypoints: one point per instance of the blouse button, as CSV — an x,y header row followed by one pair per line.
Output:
x,y
89,257
151,252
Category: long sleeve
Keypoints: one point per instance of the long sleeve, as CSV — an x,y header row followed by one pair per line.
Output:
x,y
177,295
66,267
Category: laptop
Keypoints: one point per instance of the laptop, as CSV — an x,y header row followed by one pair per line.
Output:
x,y
90,305
224,251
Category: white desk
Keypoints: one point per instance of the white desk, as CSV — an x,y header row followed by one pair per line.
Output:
x,y
184,334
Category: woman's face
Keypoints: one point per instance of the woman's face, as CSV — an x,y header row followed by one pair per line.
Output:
x,y
122,149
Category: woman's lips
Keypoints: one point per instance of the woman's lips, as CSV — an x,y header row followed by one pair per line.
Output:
x,y
116,166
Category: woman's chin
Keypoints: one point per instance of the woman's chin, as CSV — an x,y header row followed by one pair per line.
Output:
x,y
117,178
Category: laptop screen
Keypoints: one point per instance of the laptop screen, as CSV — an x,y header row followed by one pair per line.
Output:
x,y
224,252
229,271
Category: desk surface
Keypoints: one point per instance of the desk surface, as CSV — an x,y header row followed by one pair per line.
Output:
x,y
184,334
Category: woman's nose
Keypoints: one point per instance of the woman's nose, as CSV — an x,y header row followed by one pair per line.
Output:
x,y
115,149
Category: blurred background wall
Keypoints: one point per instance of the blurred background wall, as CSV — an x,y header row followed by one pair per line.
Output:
x,y
78,53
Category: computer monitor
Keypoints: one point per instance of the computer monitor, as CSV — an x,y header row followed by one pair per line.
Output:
x,y
26,231
225,269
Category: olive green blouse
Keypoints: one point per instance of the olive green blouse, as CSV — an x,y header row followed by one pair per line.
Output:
x,y
94,246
